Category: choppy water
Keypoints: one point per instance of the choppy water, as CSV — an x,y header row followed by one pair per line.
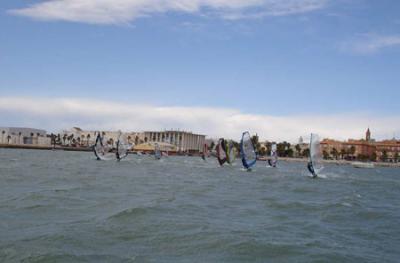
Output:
x,y
67,207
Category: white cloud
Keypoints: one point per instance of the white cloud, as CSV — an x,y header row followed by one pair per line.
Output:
x,y
125,11
61,113
370,43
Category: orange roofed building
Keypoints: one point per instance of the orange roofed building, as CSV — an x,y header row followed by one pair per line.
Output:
x,y
364,149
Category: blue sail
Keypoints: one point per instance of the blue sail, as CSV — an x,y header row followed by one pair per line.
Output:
x,y
247,151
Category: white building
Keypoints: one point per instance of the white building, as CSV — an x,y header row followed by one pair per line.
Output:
x,y
21,136
184,141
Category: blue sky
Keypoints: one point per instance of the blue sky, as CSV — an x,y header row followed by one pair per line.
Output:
x,y
269,58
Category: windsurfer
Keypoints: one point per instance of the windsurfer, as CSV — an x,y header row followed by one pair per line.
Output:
x,y
311,169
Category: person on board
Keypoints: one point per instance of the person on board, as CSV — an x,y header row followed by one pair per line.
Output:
x,y
117,152
98,140
311,169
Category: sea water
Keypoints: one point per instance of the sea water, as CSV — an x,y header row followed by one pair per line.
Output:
x,y
60,206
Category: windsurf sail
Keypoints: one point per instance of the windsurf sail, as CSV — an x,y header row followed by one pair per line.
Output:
x,y
102,149
157,151
221,151
204,154
122,147
274,156
315,163
247,151
230,152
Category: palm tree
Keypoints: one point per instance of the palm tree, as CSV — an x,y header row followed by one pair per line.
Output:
x,y
384,156
298,149
88,139
2,136
70,139
8,139
306,152
32,137
211,147
19,137
52,139
335,153
325,155
396,157
342,153
254,139
352,150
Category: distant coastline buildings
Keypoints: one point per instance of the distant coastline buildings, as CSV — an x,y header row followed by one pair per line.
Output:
x,y
24,136
366,149
172,140
184,141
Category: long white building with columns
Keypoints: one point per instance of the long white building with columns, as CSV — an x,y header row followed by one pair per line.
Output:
x,y
184,141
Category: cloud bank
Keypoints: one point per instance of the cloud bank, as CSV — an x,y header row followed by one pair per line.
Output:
x,y
125,11
64,113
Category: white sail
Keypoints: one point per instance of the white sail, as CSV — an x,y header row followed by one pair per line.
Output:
x,y
315,154
205,152
274,155
103,148
122,147
231,152
157,151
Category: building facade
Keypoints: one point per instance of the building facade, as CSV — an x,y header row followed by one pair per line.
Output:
x,y
366,149
184,141
24,136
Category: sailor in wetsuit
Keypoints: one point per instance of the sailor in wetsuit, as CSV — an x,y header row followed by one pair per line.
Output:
x,y
271,164
98,140
311,169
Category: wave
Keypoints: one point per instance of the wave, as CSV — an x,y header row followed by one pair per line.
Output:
x,y
134,212
75,258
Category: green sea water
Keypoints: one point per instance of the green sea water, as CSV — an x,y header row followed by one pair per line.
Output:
x,y
60,206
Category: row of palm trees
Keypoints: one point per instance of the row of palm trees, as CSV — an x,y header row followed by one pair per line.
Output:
x,y
70,140
84,140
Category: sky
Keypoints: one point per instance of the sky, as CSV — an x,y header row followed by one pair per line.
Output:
x,y
278,68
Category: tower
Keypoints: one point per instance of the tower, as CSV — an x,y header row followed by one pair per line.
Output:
x,y
368,135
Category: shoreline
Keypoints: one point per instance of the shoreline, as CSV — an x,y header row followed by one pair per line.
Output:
x,y
89,149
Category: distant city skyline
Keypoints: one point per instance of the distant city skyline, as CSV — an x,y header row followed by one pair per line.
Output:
x,y
282,69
